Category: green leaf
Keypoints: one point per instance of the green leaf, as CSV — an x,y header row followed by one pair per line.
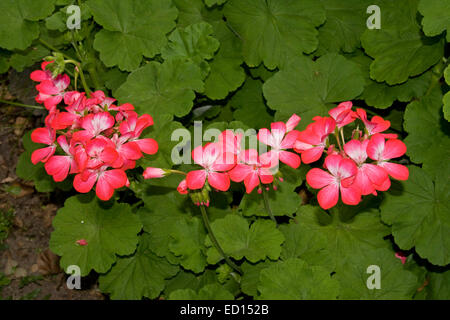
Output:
x,y
439,286
209,292
211,3
294,279
446,98
346,233
299,244
273,30
188,244
160,216
19,25
189,280
193,43
435,17
309,88
226,73
195,11
380,94
427,130
168,86
21,60
346,22
249,102
419,212
137,276
250,277
109,229
399,48
395,281
131,30
233,234
283,202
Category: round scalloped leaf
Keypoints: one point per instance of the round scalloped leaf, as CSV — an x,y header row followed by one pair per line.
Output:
x,y
212,291
19,25
436,17
137,276
188,238
109,229
249,102
273,30
283,202
309,88
419,211
446,99
396,283
168,86
439,286
131,30
211,3
21,60
193,43
346,22
427,130
294,279
346,233
263,240
226,73
399,48
380,94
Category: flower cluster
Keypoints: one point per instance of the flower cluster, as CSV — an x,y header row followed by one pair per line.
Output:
x,y
353,169
358,167
89,136
225,160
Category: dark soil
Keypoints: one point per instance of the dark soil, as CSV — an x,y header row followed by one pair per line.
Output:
x,y
25,259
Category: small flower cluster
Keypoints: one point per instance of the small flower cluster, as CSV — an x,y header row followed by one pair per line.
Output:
x,y
225,160
359,168
89,137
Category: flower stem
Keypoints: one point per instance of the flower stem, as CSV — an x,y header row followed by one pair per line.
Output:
x,y
178,171
215,242
265,195
336,134
21,105
83,80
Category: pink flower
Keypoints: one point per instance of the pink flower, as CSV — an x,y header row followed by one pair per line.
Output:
x,y
82,242
134,126
230,142
312,141
182,187
42,75
101,151
94,125
376,125
401,256
381,151
211,158
127,150
279,140
150,173
292,122
369,177
51,92
107,181
341,177
60,166
46,136
252,172
343,114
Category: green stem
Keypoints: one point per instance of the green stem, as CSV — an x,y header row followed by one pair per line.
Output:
x,y
215,242
21,105
94,76
178,171
52,48
83,80
267,205
336,134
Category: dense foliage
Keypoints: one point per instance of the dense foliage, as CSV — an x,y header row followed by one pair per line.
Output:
x,y
246,64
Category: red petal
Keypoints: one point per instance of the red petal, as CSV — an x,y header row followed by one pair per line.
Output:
x,y
196,179
148,145
328,196
290,158
318,178
219,180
